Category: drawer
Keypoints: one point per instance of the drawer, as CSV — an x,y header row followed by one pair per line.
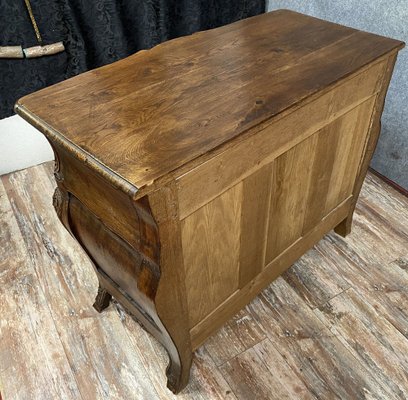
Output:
x,y
129,219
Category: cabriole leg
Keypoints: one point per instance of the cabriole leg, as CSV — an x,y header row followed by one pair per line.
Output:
x,y
178,369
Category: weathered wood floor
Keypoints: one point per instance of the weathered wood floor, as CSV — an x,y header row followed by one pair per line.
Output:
x,y
334,327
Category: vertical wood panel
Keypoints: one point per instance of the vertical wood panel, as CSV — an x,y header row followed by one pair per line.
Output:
x,y
211,242
352,135
359,142
254,220
290,183
329,159
322,167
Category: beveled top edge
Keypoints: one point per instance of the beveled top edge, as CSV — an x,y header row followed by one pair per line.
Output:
x,y
111,176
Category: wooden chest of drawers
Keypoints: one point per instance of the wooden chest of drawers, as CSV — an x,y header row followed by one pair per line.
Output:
x,y
195,173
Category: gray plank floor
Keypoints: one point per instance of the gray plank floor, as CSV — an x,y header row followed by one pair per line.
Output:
x,y
335,326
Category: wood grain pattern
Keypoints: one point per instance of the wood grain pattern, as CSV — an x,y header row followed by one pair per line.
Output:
x,y
291,195
312,278
321,172
288,201
249,377
278,367
192,187
284,314
302,339
295,57
21,295
350,317
314,177
338,148
211,242
352,137
240,298
254,222
264,143
237,335
173,314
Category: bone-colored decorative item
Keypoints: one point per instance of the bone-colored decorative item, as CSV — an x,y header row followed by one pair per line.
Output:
x,y
35,51
47,50
11,52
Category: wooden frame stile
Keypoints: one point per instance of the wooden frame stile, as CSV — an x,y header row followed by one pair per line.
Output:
x,y
174,314
344,228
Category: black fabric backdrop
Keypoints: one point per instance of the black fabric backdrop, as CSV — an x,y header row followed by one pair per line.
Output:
x,y
98,32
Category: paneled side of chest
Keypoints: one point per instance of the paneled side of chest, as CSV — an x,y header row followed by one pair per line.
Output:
x,y
251,210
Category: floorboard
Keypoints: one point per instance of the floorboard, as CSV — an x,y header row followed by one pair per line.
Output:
x,y
334,326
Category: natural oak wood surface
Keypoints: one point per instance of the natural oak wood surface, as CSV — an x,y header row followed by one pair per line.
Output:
x,y
223,170
196,173
197,93
335,326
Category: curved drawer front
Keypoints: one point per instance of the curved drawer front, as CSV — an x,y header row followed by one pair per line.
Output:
x,y
127,267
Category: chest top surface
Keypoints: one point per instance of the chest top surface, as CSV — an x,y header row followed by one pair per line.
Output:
x,y
147,115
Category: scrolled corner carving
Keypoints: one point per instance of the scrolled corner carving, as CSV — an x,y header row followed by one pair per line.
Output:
x,y
57,168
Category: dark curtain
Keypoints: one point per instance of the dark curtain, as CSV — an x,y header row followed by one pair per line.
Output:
x,y
98,32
